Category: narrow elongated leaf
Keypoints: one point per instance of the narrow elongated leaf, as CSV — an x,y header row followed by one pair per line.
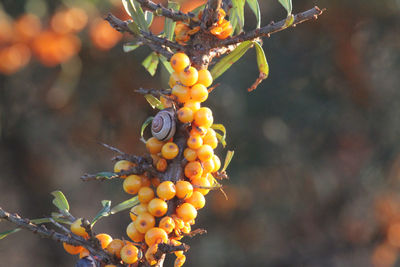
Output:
x,y
261,60
169,25
144,126
48,220
226,62
228,158
106,175
221,137
148,16
254,6
237,15
134,27
166,64
153,101
129,47
105,211
197,10
287,4
9,232
134,9
150,63
127,204
60,201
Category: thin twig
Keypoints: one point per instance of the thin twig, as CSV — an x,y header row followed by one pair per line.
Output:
x,y
154,92
160,10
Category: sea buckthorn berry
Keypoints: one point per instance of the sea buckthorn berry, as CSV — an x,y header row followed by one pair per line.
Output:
x,y
205,152
132,184
145,180
145,194
197,200
210,178
217,163
185,115
157,207
166,101
73,250
211,132
188,76
123,165
167,223
155,181
210,140
199,92
186,212
115,247
182,93
178,253
133,233
173,79
110,265
129,254
190,154
203,117
179,261
166,190
138,209
208,165
104,240
84,253
198,183
179,61
155,235
170,150
227,30
187,228
184,189
155,159
76,228
179,223
161,165
193,105
197,130
193,170
154,145
205,77
194,141
144,222
150,254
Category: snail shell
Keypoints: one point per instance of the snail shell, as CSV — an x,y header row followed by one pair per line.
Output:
x,y
163,126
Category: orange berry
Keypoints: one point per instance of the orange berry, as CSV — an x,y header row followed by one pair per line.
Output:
x,y
84,253
217,163
166,190
188,76
173,79
155,235
154,145
157,207
115,247
225,32
166,101
187,228
77,229
73,250
144,222
162,165
110,265
186,212
210,140
184,189
193,170
179,223
190,154
170,150
193,105
197,130
182,93
167,224
194,141
201,182
208,165
185,115
179,61
150,254
145,180
198,92
205,152
155,159
123,165
210,178
138,209
104,240
132,184
203,117
179,261
129,254
133,233
145,194
155,181
197,200
205,77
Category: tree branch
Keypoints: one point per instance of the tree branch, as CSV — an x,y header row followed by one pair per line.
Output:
x,y
210,14
160,10
154,92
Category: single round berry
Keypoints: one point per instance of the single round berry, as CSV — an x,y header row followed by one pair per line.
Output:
x,y
179,61
138,209
188,76
173,79
208,165
104,240
205,152
155,235
170,150
182,93
144,222
210,140
115,246
166,190
193,105
190,154
203,117
199,93
162,165
132,184
167,223
193,170
154,145
123,165
73,250
157,207
145,194
184,189
186,212
129,254
197,200
76,228
194,141
205,77
217,163
133,233
185,115
201,184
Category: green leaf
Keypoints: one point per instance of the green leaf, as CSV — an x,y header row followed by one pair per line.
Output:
x,y
129,47
254,6
144,125
289,21
134,27
166,64
197,10
287,4
150,63
127,204
104,212
134,9
228,158
169,25
60,201
48,220
237,15
221,138
261,60
226,62
9,232
154,102
106,175
148,16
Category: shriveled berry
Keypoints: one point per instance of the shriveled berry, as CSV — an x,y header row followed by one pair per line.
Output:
x,y
167,223
161,165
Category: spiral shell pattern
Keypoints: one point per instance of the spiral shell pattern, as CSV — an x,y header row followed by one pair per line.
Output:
x,y
163,126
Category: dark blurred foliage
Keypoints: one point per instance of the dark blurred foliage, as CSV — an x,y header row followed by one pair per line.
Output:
x,y
315,177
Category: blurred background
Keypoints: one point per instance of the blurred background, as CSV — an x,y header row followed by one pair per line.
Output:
x,y
315,177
